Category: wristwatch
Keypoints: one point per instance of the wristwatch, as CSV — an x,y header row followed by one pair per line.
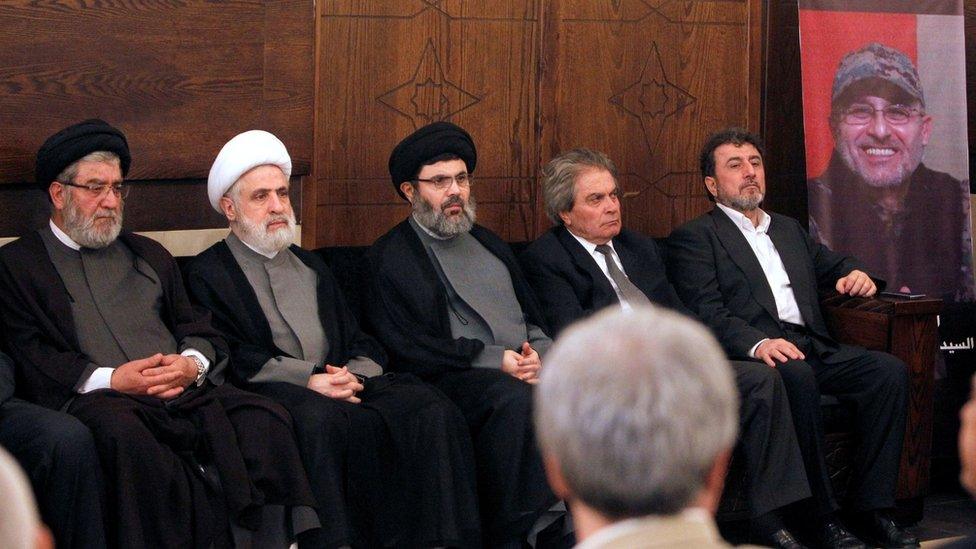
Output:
x,y
201,369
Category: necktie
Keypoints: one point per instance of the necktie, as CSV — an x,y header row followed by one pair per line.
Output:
x,y
625,288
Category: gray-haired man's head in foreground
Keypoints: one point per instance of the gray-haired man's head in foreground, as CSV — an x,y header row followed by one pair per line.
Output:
x,y
636,413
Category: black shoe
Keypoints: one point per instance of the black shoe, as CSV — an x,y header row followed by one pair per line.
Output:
x,y
782,539
881,531
834,536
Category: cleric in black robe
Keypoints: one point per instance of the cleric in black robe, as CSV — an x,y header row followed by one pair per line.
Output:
x,y
400,448
448,300
100,326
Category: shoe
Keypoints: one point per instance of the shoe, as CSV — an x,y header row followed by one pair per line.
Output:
x,y
881,531
783,539
835,536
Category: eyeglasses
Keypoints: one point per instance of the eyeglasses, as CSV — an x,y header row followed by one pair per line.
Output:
x,y
441,182
101,191
893,114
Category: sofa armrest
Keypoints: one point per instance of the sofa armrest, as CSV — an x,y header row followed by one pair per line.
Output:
x,y
908,329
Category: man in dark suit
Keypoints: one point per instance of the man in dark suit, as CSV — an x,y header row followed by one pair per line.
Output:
x,y
58,454
753,277
588,262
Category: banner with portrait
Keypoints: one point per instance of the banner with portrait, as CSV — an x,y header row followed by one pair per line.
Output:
x,y
884,107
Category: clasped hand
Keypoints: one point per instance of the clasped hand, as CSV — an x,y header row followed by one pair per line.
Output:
x,y
525,365
337,383
162,376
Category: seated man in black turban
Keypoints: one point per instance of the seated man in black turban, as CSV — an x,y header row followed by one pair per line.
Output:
x,y
99,324
448,300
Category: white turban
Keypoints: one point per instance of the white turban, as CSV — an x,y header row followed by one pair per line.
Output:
x,y
245,151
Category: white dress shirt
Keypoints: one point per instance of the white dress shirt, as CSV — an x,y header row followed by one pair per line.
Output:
x,y
601,261
772,265
101,378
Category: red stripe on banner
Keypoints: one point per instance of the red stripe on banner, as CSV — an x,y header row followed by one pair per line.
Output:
x,y
825,37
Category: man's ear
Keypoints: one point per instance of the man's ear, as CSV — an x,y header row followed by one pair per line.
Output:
x,y
227,206
565,217
926,129
711,493
407,189
712,185
555,477
56,192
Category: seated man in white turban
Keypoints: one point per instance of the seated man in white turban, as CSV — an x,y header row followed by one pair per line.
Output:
x,y
400,449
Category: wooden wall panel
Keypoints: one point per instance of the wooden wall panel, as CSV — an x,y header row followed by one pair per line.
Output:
x,y
179,77
645,81
387,68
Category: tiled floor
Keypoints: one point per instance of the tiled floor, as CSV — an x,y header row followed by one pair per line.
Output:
x,y
946,515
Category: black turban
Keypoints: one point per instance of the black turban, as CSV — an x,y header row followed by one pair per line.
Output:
x,y
426,143
77,141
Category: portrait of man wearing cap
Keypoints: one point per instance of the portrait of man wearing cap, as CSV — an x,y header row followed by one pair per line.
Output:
x,y
402,445
99,324
877,199
448,300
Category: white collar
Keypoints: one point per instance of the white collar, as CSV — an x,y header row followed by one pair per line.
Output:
x,y
590,247
744,222
64,238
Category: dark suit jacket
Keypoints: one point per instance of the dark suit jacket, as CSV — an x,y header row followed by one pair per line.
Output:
x,y
6,378
570,284
217,281
406,303
719,278
38,327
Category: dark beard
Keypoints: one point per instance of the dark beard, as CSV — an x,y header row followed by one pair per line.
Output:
x,y
434,220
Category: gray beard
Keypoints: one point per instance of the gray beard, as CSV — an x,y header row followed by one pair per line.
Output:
x,y
742,203
83,231
434,220
901,175
257,235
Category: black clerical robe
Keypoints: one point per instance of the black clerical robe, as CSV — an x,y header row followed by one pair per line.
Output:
x,y
175,471
407,309
424,493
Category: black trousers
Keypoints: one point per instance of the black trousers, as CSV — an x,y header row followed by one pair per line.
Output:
x,y
151,455
767,440
512,485
396,469
875,386
58,454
